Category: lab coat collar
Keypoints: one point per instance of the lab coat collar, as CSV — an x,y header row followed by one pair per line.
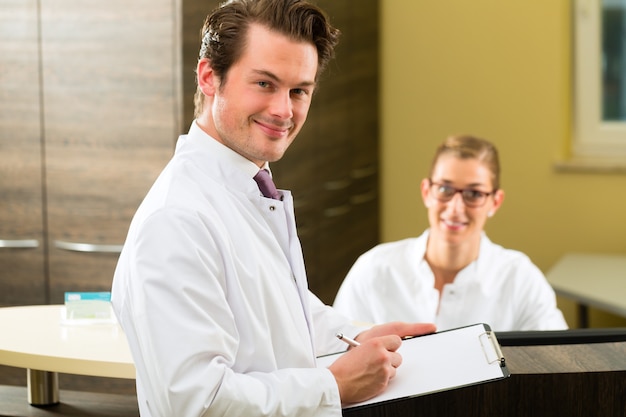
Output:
x,y
220,151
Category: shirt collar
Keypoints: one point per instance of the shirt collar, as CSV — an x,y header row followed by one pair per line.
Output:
x,y
223,152
472,268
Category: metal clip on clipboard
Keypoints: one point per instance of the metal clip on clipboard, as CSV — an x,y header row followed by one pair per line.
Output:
x,y
491,348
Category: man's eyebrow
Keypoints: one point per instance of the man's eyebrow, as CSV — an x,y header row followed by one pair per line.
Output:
x,y
276,79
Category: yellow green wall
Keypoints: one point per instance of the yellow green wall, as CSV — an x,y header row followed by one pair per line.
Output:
x,y
500,70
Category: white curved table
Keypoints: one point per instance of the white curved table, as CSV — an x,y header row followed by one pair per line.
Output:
x,y
596,280
39,339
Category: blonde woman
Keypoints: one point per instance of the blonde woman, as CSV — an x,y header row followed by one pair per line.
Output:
x,y
453,275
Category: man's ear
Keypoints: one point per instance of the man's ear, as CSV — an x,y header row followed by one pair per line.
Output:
x,y
207,81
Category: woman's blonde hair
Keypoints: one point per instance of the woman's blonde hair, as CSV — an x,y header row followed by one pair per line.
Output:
x,y
471,147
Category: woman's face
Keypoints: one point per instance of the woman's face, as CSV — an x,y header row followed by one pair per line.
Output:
x,y
462,217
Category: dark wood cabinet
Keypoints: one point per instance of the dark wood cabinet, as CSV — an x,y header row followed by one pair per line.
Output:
x,y
90,109
332,167
22,249
110,75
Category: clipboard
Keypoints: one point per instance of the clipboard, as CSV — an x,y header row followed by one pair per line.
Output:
x,y
440,361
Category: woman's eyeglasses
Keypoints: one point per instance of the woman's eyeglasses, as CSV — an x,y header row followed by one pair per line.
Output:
x,y
471,197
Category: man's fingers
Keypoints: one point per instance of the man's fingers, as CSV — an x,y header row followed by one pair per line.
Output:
x,y
395,360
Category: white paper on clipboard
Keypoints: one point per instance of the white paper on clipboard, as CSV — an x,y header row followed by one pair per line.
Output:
x,y
441,361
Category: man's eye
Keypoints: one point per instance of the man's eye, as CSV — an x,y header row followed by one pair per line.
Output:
x,y
263,84
299,91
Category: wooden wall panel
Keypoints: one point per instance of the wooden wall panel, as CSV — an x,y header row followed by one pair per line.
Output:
x,y
22,273
194,14
111,113
333,165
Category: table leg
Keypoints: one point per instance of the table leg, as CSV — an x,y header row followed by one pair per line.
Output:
x,y
43,387
583,316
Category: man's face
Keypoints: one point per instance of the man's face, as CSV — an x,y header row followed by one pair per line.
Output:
x,y
264,102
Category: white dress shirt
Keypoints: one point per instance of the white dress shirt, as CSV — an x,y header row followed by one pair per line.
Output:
x,y
502,288
211,292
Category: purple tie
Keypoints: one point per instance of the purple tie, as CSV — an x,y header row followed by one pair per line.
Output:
x,y
266,185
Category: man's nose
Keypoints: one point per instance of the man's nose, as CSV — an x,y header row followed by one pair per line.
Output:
x,y
282,106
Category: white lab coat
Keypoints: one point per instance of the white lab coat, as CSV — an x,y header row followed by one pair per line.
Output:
x,y
502,288
211,292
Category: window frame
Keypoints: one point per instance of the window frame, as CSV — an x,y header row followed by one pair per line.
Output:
x,y
593,137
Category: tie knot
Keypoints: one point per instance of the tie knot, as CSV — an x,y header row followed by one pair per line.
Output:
x,y
266,185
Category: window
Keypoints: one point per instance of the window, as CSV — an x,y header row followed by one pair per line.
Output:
x,y
600,79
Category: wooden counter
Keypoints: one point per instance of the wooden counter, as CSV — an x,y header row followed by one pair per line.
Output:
x,y
575,380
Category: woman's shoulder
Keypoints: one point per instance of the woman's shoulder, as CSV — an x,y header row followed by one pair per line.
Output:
x,y
394,248
498,256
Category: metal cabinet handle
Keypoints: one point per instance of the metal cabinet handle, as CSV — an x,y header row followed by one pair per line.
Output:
x,y
337,184
337,211
21,243
363,198
87,247
364,172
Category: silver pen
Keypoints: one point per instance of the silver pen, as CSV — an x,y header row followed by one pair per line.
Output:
x,y
346,339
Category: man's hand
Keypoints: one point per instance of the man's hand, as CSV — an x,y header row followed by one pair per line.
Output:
x,y
365,371
398,328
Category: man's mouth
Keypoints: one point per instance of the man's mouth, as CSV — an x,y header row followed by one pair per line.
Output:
x,y
273,130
